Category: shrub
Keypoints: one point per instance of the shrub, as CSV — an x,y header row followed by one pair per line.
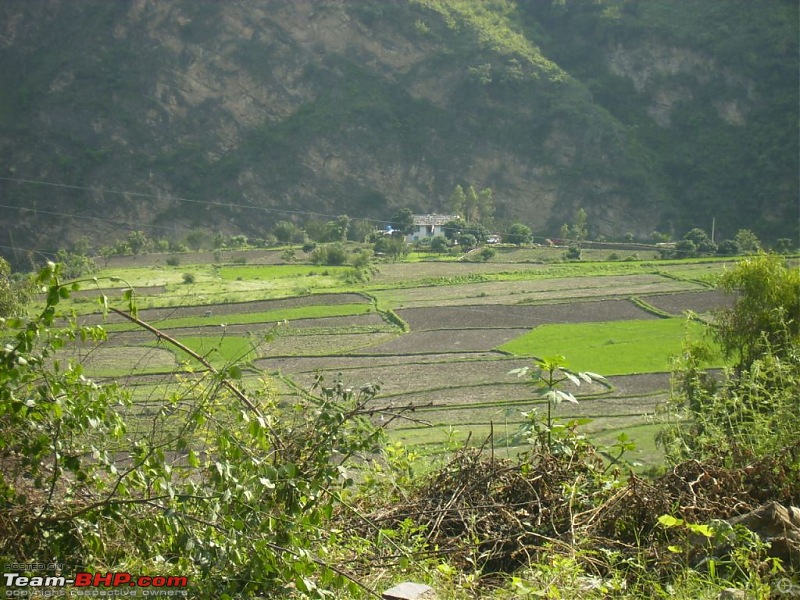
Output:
x,y
189,278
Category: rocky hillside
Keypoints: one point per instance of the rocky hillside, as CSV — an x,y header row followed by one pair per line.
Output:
x,y
651,114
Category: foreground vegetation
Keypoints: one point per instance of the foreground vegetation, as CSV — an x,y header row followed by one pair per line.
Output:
x,y
248,491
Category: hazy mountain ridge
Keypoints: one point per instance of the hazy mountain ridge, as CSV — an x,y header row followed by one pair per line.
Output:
x,y
648,116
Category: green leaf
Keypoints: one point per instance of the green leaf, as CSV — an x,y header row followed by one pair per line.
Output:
x,y
669,521
701,529
53,295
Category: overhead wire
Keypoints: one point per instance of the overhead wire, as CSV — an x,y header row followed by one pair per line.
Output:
x,y
168,197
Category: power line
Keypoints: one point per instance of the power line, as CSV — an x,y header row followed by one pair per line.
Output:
x,y
174,198
74,216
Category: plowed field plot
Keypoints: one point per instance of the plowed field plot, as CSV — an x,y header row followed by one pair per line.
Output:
x,y
323,344
699,302
465,416
358,368
441,378
402,379
536,291
432,342
503,315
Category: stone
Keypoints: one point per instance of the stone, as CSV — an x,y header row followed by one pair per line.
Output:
x,y
409,591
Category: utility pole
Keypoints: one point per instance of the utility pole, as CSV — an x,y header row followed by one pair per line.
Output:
x,y
713,224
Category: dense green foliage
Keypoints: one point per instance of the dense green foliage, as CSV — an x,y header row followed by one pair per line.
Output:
x,y
219,483
753,411
649,115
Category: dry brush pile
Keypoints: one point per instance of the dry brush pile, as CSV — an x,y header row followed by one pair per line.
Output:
x,y
496,515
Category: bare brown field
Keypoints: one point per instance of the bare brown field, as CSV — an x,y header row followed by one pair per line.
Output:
x,y
699,302
541,291
361,364
450,340
502,315
333,343
415,377
448,385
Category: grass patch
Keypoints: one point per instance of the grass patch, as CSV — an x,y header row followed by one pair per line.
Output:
x,y
611,347
219,351
278,271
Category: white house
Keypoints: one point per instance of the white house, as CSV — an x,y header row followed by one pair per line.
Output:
x,y
428,226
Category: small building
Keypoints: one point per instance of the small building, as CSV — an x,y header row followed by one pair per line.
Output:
x,y
428,226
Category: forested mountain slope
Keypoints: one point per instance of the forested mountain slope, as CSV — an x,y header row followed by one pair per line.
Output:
x,y
651,114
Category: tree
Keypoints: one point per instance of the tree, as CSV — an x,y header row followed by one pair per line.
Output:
x,y
317,230
198,239
137,242
471,205
573,252
467,241
578,231
485,207
685,248
237,241
728,248
392,246
766,316
518,234
337,229
284,231
439,244
697,236
360,230
457,200
747,241
403,221
331,254
452,229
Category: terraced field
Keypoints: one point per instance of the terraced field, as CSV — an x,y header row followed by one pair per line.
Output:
x,y
431,334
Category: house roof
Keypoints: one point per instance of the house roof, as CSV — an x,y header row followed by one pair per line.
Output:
x,y
433,219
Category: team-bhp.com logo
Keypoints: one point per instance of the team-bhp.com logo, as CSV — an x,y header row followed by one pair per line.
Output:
x,y
90,584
